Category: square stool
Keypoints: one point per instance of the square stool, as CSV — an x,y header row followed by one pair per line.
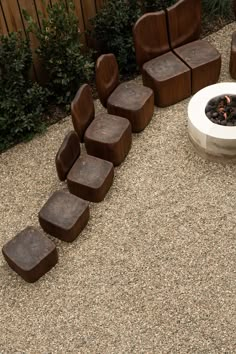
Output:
x,y
134,102
204,61
30,254
90,178
169,78
64,216
109,137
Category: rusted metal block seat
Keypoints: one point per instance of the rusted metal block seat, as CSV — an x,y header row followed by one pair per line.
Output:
x,y
232,64
109,137
30,254
161,70
199,55
128,100
87,177
64,216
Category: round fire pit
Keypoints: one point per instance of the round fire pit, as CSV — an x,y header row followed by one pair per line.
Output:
x,y
211,140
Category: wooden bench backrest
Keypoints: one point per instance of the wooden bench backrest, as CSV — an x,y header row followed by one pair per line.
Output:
x,y
150,36
107,76
67,154
184,22
82,110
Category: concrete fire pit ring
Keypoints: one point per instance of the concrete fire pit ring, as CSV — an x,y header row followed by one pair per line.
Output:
x,y
211,140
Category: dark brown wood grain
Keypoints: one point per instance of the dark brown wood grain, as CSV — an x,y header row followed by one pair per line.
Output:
x,y
150,37
107,76
184,22
109,137
82,110
169,78
203,60
67,154
232,64
90,178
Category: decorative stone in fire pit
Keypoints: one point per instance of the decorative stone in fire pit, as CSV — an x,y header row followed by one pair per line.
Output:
x,y
212,121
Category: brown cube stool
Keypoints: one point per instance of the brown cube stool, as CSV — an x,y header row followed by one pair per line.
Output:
x,y
169,78
109,137
87,177
128,100
232,64
204,61
90,178
30,254
64,216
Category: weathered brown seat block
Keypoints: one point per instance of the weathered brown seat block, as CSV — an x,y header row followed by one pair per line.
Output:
x,y
30,254
204,61
134,102
232,64
64,216
128,100
90,178
169,78
67,154
82,110
109,137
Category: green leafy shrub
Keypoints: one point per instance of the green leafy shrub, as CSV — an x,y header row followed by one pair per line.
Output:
x,y
61,51
112,27
21,101
157,5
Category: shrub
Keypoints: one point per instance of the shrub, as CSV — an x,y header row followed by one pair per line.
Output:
x,y
112,26
21,101
217,7
157,5
61,51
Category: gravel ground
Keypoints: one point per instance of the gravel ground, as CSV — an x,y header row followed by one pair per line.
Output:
x,y
154,270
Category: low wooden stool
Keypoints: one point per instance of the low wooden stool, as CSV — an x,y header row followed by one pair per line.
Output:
x,y
203,60
232,64
90,178
128,100
169,78
30,254
64,216
109,137
87,177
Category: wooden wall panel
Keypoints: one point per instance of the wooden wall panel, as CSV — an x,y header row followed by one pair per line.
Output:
x,y
11,19
3,25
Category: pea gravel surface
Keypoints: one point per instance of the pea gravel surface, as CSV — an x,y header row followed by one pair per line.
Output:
x,y
153,271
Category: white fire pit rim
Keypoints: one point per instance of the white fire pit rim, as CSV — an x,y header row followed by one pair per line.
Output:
x,y
198,118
